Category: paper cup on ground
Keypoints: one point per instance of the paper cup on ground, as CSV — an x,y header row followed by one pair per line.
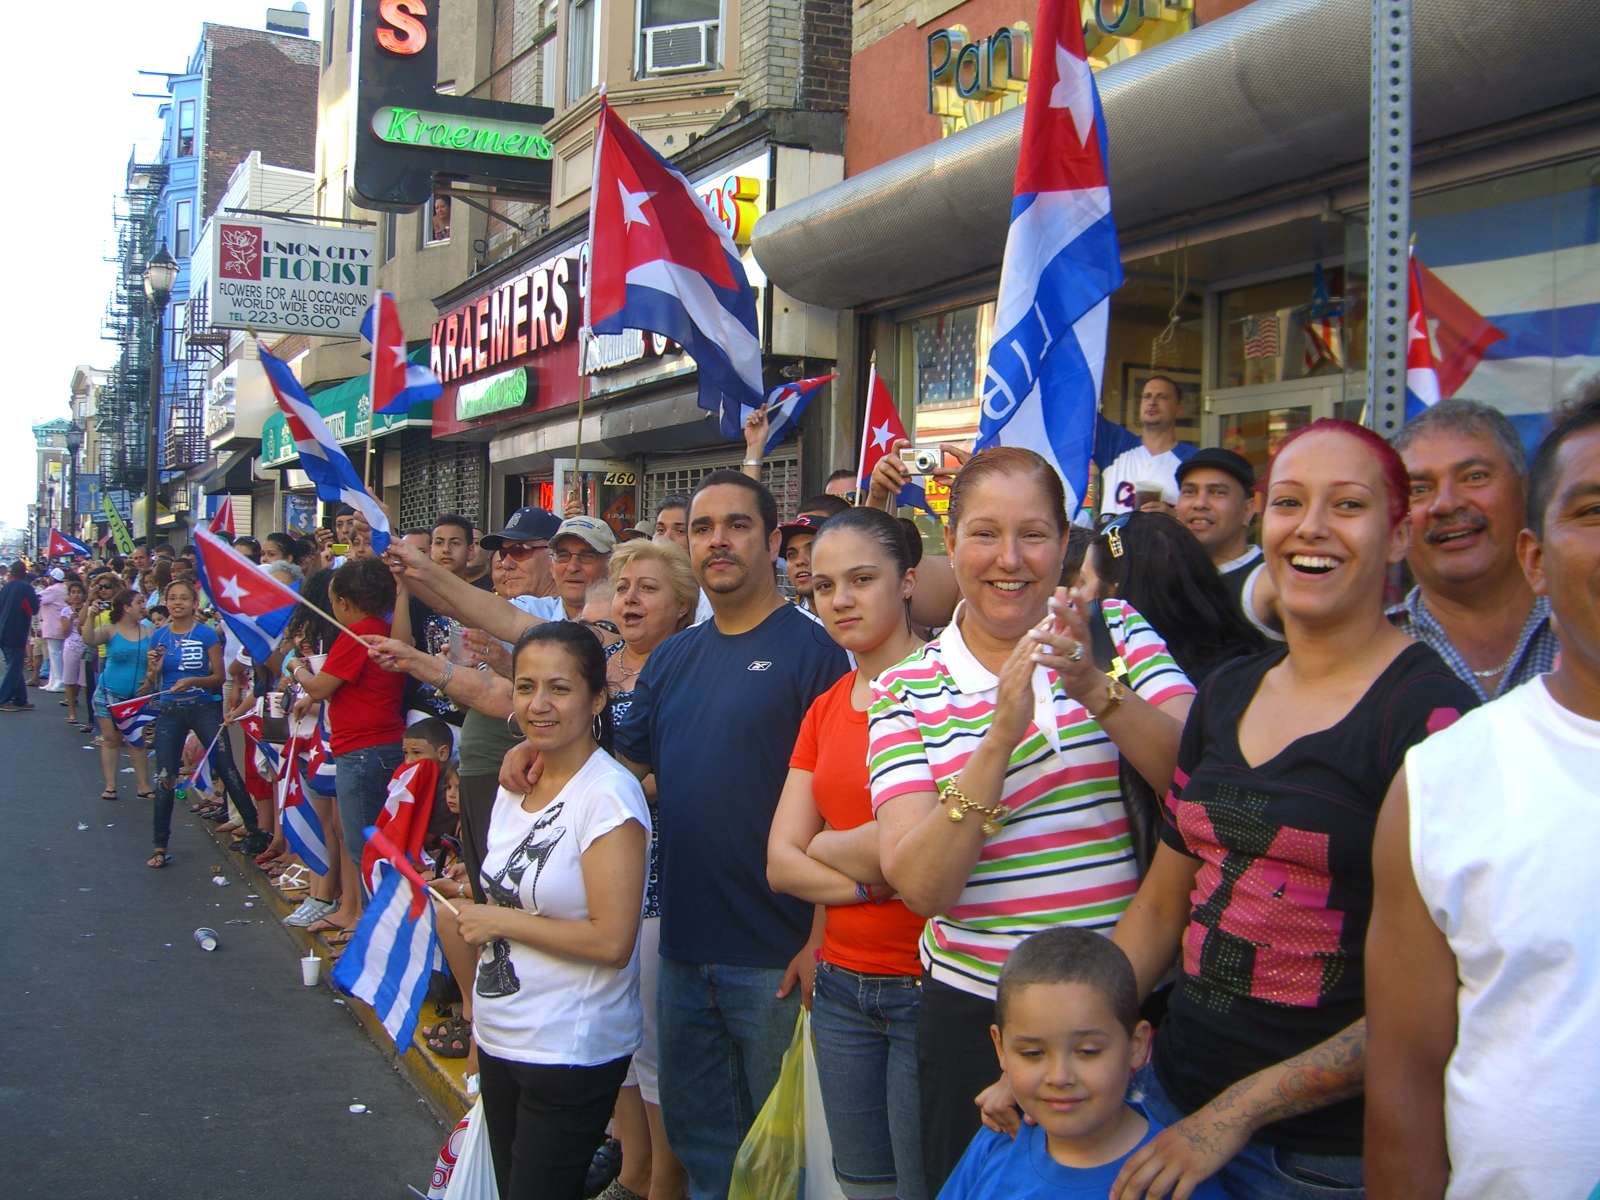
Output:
x,y
310,970
206,938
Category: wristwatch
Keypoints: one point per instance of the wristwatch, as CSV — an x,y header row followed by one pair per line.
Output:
x,y
1115,695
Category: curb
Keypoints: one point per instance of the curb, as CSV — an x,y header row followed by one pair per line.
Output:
x,y
440,1081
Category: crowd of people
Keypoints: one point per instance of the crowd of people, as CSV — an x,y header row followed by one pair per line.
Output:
x,y
1182,854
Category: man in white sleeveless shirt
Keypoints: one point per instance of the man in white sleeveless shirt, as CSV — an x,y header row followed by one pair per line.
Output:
x,y
1483,961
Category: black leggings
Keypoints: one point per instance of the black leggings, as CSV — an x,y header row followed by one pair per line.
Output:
x,y
955,1061
545,1123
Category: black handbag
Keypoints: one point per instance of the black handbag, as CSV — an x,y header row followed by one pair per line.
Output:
x,y
1138,797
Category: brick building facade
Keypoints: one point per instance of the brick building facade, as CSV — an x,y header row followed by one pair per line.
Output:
x,y
260,93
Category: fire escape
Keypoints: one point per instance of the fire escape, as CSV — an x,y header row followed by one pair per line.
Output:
x,y
123,413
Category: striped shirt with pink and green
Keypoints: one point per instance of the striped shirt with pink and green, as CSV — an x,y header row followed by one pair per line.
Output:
x,y
1063,855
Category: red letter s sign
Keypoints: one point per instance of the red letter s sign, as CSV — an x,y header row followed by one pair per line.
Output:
x,y
399,30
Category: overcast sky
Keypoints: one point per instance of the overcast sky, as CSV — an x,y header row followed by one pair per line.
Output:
x,y
68,170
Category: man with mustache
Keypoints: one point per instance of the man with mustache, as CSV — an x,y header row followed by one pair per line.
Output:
x,y
1472,602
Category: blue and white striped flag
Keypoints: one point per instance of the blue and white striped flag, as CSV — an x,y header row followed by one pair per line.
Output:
x,y
302,828
132,715
388,961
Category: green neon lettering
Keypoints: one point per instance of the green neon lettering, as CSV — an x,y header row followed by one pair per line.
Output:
x,y
417,127
397,124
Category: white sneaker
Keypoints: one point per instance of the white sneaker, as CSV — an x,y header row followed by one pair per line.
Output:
x,y
309,912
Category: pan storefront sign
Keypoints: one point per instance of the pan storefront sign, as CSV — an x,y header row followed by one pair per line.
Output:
x,y
285,277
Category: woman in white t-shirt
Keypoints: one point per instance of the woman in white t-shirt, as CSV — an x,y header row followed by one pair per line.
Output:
x,y
556,1011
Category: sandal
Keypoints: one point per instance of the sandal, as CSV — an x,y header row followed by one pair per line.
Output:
x,y
340,938
109,794
452,1041
158,859
323,925
150,795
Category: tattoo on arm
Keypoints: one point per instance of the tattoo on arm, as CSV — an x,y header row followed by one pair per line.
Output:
x,y
1331,1071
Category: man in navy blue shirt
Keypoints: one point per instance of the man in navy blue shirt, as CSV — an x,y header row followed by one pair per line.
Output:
x,y
714,716
18,604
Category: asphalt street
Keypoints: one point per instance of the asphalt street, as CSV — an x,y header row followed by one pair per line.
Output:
x,y
135,1065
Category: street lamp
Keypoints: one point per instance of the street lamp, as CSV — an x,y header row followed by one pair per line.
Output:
x,y
74,444
160,273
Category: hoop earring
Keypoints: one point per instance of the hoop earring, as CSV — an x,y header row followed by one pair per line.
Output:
x,y
511,723
597,728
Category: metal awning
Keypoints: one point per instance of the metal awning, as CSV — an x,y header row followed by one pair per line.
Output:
x,y
1259,106
232,472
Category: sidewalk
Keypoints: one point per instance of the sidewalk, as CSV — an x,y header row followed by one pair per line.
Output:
x,y
440,1081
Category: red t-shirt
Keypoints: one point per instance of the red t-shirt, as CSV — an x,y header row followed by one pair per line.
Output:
x,y
874,939
367,708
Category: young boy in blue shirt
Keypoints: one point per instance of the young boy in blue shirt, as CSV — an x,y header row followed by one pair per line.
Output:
x,y
1069,1038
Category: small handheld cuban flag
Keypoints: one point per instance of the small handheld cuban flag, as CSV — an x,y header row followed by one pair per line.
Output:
x,y
388,961
62,546
403,820
254,604
201,780
881,430
131,716
302,828
1422,377
222,520
335,477
396,383
268,764
1041,386
785,405
320,774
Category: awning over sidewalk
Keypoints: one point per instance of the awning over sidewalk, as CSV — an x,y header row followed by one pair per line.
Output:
x,y
346,409
1266,102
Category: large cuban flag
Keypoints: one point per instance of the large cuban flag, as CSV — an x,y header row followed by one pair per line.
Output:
x,y
335,477
252,603
396,382
1042,385
661,262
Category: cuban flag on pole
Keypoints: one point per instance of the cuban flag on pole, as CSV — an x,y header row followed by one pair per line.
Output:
x,y
1042,383
131,716
222,520
302,828
62,546
268,764
404,817
254,604
785,405
1422,378
335,477
661,262
388,961
319,763
397,384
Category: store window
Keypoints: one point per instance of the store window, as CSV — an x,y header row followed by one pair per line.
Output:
x,y
182,229
1511,285
1283,330
185,128
434,227
583,48
678,35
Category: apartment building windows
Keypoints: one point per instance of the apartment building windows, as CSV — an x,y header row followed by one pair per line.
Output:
x,y
547,54
583,48
185,145
434,224
678,35
183,228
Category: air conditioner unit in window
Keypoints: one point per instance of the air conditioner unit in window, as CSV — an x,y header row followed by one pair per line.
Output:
x,y
690,47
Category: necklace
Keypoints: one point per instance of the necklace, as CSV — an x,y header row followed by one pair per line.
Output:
x,y
1493,671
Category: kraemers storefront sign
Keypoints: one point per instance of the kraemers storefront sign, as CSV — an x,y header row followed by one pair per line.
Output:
x,y
480,397
418,127
287,277
523,315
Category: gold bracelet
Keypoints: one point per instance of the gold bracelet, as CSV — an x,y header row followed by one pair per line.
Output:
x,y
962,806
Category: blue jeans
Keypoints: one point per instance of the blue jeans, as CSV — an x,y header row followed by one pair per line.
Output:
x,y
12,688
1260,1171
723,1036
361,783
866,1040
176,721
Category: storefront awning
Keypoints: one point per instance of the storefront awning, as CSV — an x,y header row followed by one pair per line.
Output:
x,y
1264,103
346,410
231,474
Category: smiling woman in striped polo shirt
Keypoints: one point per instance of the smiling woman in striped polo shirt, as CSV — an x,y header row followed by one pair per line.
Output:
x,y
993,759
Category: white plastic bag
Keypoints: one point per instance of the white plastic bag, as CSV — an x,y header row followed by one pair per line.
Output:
x,y
820,1182
472,1178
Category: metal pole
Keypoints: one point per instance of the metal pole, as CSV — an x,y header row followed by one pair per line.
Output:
x,y
152,474
1389,214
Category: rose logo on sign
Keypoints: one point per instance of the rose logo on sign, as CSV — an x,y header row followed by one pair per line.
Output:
x,y
241,252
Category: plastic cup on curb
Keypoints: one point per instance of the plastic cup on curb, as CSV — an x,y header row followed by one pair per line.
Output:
x,y
206,938
310,970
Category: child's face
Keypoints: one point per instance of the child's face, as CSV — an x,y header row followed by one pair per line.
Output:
x,y
452,795
1068,1058
417,749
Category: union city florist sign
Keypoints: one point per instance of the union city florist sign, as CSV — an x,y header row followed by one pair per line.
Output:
x,y
284,277
494,393
531,312
406,131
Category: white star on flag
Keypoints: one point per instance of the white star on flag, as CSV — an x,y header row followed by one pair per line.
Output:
x,y
1417,332
633,205
881,436
399,355
1074,91
232,592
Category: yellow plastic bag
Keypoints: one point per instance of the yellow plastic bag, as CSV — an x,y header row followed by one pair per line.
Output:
x,y
772,1158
